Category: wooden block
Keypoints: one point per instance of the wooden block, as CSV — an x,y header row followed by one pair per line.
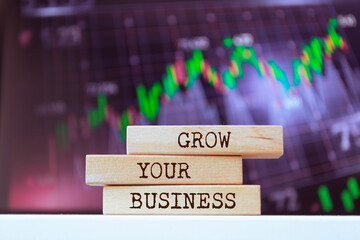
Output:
x,y
152,169
183,200
246,141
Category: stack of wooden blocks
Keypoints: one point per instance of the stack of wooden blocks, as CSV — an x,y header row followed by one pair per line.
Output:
x,y
184,170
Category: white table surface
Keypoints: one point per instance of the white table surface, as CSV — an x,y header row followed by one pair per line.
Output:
x,y
178,227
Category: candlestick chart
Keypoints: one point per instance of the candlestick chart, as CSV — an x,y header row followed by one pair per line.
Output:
x,y
85,75
185,73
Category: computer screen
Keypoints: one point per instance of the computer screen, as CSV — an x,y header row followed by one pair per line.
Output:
x,y
76,73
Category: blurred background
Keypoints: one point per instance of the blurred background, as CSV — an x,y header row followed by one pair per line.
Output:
x,y
76,73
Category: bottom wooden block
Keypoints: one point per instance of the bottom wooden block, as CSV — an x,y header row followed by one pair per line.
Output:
x,y
183,200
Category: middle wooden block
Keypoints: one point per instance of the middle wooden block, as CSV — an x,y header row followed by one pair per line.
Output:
x,y
152,170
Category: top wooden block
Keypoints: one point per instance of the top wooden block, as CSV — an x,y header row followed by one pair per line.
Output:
x,y
246,141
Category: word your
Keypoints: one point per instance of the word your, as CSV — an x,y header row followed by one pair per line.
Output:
x,y
156,170
177,200
210,140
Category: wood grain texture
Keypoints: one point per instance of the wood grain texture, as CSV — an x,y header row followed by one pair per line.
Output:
x,y
245,141
152,170
183,200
